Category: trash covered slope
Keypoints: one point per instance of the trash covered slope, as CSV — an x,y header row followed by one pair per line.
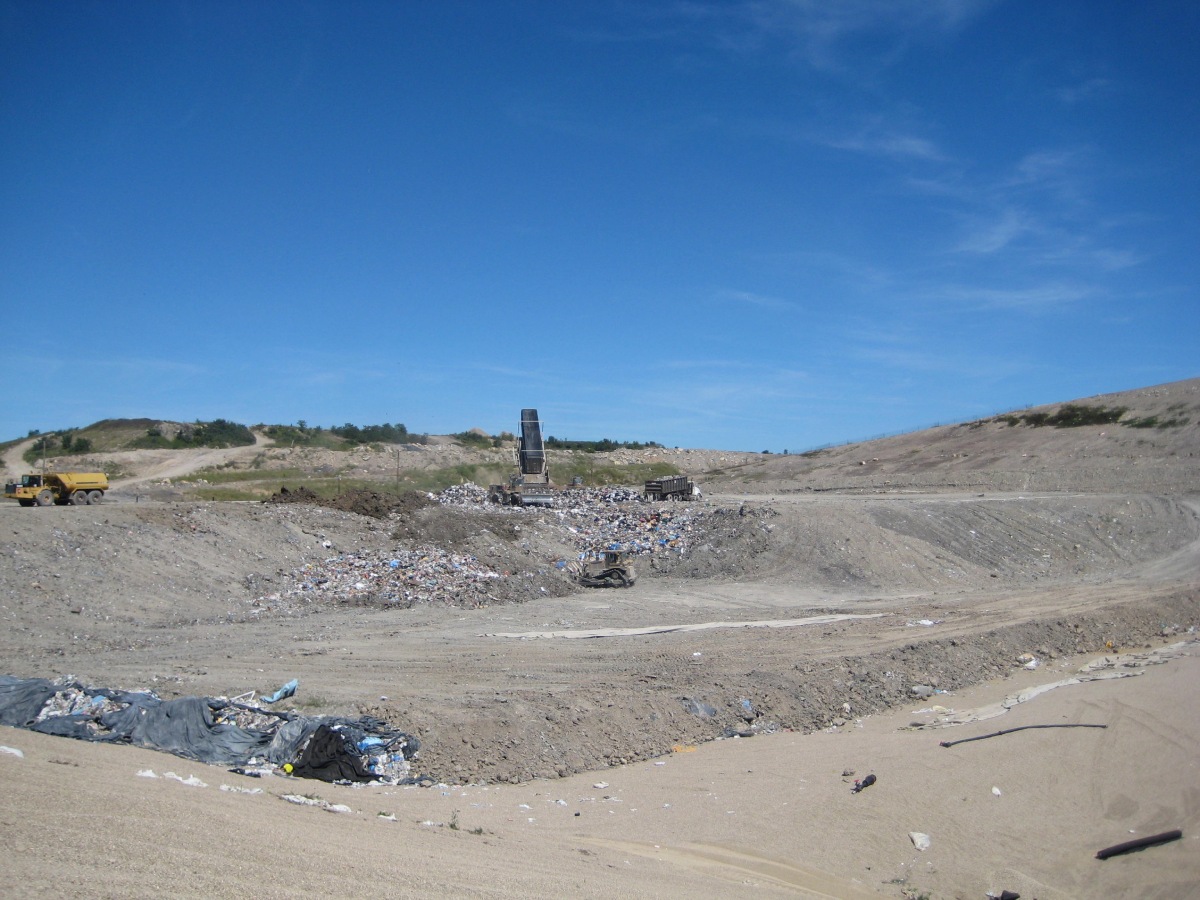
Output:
x,y
213,730
456,548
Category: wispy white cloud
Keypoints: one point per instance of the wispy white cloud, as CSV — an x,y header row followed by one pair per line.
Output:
x,y
992,235
815,33
1083,90
1037,297
748,298
906,350
890,144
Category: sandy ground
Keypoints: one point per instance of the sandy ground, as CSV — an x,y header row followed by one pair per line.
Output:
x,y
815,593
773,816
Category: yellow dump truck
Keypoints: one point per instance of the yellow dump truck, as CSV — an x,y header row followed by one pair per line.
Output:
x,y
77,488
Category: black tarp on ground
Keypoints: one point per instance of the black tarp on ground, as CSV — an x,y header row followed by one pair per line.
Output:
x,y
21,699
326,757
363,749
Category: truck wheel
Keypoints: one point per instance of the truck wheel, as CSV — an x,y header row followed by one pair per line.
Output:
x,y
95,496
45,497
24,501
79,498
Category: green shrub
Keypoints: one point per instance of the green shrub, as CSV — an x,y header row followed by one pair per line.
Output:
x,y
1069,415
602,446
474,439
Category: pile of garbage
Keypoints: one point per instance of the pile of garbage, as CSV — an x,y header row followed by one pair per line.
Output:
x,y
474,496
638,531
585,519
612,518
398,577
216,730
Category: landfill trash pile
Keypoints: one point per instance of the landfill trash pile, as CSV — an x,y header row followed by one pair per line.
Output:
x,y
611,518
457,548
215,730
469,494
400,578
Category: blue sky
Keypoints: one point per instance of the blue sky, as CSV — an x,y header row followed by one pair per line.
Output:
x,y
769,224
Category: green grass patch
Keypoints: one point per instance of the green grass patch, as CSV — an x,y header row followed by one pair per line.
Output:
x,y
252,484
601,446
475,439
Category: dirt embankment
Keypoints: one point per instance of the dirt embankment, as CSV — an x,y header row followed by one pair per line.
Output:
x,y
376,595
218,598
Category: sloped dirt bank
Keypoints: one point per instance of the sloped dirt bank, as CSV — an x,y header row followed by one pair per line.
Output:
x,y
664,694
178,598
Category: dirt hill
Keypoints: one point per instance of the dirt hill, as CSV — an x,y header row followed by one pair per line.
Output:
x,y
1010,538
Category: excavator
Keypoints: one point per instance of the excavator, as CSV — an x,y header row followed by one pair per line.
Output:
x,y
530,485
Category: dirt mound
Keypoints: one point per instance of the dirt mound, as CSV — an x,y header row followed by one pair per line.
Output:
x,y
364,503
298,495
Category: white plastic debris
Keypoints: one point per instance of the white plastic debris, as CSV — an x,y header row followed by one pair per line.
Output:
x,y
190,781
13,751
920,841
301,800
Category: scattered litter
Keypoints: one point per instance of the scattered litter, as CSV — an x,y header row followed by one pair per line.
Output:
x,y
147,773
1004,895
235,789
1028,661
301,800
600,785
12,751
920,841
1139,844
190,781
996,790
284,692
1126,666
699,708
860,786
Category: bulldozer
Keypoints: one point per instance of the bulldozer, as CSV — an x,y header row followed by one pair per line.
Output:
x,y
607,568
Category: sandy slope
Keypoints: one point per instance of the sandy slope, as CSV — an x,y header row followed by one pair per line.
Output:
x,y
773,816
